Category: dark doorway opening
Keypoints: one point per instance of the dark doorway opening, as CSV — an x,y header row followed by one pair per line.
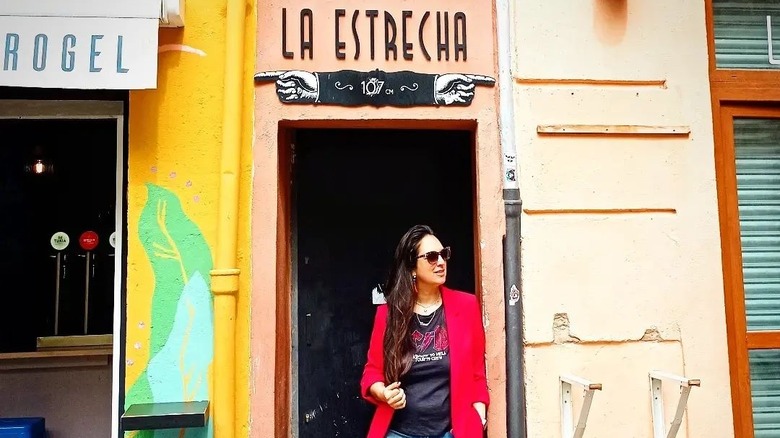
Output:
x,y
355,192
56,176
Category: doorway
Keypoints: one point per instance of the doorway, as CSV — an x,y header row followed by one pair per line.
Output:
x,y
355,192
62,185
56,176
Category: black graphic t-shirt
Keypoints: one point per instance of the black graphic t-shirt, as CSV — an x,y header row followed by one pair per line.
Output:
x,y
427,384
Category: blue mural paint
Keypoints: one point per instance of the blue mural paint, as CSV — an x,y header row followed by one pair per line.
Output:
x,y
180,370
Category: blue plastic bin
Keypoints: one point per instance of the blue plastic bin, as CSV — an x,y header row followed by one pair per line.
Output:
x,y
23,427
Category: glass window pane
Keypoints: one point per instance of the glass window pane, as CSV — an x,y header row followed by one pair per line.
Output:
x,y
757,151
742,33
765,390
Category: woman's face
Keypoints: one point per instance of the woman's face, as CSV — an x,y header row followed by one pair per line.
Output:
x,y
430,273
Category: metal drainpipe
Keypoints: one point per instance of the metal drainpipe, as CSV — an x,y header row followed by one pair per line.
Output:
x,y
513,303
225,275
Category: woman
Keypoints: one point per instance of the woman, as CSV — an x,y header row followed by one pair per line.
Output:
x,y
422,384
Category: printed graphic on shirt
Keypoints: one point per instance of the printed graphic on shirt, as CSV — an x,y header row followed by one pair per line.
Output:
x,y
432,345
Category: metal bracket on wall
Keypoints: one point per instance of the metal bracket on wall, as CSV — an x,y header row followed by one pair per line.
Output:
x,y
657,402
170,415
568,429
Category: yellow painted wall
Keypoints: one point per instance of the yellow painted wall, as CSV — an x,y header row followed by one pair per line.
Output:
x,y
175,135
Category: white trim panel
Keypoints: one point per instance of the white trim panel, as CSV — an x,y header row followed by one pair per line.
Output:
x,y
82,8
60,109
119,274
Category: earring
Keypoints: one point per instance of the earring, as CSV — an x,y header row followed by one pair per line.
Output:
x,y
414,277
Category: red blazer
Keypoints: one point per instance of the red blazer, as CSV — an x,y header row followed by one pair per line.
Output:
x,y
467,366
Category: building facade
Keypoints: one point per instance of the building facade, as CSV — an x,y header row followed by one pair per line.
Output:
x,y
145,82
367,122
230,183
621,263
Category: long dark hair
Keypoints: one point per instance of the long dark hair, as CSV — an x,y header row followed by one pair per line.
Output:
x,y
400,294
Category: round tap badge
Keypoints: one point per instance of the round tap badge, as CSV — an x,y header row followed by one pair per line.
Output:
x,y
112,240
59,241
88,240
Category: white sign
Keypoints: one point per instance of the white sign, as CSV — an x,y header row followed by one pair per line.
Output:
x,y
85,53
82,8
59,241
377,297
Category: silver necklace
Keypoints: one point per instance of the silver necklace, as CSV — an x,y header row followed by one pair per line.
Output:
x,y
425,308
425,324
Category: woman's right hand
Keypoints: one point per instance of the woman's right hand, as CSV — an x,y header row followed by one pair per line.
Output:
x,y
394,395
391,394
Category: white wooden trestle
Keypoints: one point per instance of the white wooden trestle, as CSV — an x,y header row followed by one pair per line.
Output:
x,y
657,402
568,428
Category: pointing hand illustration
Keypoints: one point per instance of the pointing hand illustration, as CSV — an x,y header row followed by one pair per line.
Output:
x,y
378,88
294,86
456,88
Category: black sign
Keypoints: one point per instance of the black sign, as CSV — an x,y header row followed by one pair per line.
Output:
x,y
377,88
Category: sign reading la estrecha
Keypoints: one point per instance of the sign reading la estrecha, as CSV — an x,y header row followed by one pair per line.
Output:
x,y
389,35
396,35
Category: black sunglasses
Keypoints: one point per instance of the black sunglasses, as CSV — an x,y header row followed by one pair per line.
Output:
x,y
433,256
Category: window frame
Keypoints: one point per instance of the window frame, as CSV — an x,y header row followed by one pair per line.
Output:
x,y
104,110
738,84
750,94
740,340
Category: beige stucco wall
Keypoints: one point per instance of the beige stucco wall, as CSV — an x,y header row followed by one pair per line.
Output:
x,y
618,275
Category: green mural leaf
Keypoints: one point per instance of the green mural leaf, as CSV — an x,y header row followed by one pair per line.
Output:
x,y
176,249
181,326
140,392
140,434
